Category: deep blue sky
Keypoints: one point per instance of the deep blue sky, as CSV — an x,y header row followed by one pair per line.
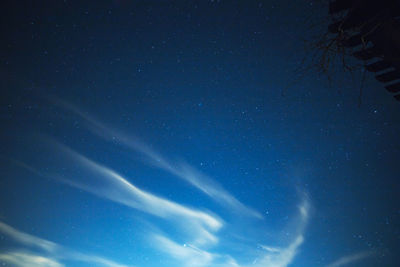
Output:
x,y
176,133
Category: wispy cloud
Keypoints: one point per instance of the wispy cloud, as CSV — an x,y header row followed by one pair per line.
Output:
x,y
24,259
196,234
346,260
90,259
27,239
282,257
190,255
108,184
186,253
51,255
203,227
179,169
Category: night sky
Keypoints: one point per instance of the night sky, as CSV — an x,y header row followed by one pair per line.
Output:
x,y
179,133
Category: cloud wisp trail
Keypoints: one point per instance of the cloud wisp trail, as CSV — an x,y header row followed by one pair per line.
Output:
x,y
198,229
195,237
186,253
192,256
25,259
199,233
346,260
282,257
51,253
27,239
179,169
106,183
199,248
202,226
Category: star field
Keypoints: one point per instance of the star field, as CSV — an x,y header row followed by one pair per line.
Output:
x,y
178,133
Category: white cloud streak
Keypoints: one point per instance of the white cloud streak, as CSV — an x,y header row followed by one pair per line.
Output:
x,y
346,260
282,257
197,251
23,259
189,254
111,185
54,252
27,239
193,256
108,184
178,169
91,259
